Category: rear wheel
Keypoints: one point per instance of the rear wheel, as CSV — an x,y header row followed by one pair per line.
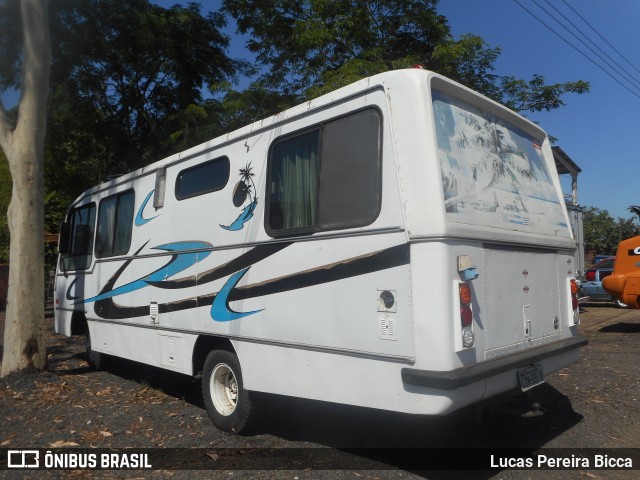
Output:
x,y
228,403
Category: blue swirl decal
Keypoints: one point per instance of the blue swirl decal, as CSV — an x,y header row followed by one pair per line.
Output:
x,y
140,220
220,310
178,263
243,218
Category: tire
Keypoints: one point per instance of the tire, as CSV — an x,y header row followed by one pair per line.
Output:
x,y
619,304
96,360
227,402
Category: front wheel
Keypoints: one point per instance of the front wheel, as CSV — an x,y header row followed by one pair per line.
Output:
x,y
619,304
227,402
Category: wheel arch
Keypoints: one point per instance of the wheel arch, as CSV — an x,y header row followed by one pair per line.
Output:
x,y
79,324
204,344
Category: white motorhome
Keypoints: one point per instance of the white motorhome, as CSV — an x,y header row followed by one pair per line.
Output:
x,y
401,243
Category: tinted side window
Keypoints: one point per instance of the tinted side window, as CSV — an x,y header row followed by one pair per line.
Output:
x,y
115,223
327,178
350,179
82,227
204,178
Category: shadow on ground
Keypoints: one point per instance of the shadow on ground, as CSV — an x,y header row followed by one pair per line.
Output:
x,y
621,327
383,439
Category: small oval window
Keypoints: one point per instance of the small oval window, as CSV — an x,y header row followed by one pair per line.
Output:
x,y
204,178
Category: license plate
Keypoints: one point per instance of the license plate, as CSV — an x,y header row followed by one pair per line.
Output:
x,y
530,376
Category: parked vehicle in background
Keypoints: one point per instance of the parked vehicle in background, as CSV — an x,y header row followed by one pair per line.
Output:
x,y
592,285
599,258
624,282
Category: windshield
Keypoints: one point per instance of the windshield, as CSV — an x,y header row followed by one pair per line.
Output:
x,y
493,174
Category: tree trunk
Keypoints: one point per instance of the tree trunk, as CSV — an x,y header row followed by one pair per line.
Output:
x,y
24,345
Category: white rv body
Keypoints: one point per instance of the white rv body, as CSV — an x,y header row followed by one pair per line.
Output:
x,y
363,309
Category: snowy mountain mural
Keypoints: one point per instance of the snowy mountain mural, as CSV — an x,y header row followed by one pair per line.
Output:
x,y
493,173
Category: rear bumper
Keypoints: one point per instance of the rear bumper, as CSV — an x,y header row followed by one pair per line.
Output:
x,y
460,377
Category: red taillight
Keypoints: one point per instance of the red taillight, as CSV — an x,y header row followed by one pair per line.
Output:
x,y
591,275
574,287
574,293
466,315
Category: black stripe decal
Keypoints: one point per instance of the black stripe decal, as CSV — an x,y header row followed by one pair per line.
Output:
x,y
369,263
246,259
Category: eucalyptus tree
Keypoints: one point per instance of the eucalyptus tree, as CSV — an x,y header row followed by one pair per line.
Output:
x,y
22,141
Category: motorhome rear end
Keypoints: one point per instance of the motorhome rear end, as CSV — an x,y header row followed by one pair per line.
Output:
x,y
399,243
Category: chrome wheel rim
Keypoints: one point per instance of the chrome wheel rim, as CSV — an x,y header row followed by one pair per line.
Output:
x,y
224,389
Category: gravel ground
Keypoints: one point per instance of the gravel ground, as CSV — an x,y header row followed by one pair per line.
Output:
x,y
592,404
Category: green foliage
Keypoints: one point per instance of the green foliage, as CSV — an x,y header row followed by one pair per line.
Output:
x,y
126,87
534,95
10,45
602,233
311,47
256,102
130,66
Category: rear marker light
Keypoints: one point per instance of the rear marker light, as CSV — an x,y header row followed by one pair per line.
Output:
x,y
465,294
575,304
466,315
467,338
574,287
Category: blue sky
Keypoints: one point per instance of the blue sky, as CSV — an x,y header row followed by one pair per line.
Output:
x,y
600,130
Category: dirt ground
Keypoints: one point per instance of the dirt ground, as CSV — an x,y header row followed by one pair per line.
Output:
x,y
592,404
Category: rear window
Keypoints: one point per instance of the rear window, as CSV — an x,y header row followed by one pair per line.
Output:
x,y
608,263
493,173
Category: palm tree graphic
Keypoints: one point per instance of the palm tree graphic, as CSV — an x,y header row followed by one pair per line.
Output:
x,y
246,176
246,188
498,157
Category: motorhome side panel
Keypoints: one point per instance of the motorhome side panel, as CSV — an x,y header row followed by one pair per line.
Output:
x,y
204,265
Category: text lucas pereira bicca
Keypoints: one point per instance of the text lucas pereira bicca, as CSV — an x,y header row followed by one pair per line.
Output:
x,y
573,461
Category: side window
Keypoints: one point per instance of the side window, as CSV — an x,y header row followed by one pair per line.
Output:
x,y
82,226
351,171
204,178
294,183
115,222
328,178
